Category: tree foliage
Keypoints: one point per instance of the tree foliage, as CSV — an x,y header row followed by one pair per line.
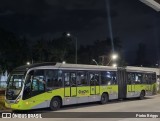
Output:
x,y
141,59
16,51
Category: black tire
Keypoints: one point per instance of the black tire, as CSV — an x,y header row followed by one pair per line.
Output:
x,y
141,97
104,98
55,103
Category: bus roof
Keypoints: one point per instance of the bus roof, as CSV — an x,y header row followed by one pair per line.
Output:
x,y
27,67
143,69
75,67
51,65
82,66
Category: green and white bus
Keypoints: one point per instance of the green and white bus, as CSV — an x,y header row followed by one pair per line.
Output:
x,y
55,84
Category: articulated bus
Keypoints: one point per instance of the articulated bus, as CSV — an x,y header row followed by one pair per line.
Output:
x,y
55,84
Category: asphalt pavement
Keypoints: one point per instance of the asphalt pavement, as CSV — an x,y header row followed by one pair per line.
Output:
x,y
85,112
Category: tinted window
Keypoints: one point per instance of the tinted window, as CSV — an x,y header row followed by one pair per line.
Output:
x,y
135,78
73,79
53,78
38,81
131,77
34,84
94,79
138,78
108,78
66,79
82,79
148,78
154,78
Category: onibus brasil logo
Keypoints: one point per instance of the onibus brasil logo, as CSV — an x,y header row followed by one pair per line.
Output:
x,y
14,115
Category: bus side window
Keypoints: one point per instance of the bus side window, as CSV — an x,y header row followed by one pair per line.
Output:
x,y
73,79
138,78
66,80
108,78
97,79
34,85
82,78
154,78
114,78
91,78
53,79
131,78
148,78
143,79
103,78
94,79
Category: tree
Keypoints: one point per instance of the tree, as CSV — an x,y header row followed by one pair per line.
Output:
x,y
40,51
100,48
12,51
141,56
61,49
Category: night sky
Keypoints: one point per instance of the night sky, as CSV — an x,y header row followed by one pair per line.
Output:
x,y
132,21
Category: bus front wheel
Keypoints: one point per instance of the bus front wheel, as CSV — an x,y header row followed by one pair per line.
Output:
x,y
55,103
104,98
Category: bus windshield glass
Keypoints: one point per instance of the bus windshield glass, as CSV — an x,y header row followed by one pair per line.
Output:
x,y
14,86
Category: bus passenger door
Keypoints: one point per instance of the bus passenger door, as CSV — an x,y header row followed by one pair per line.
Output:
x,y
73,85
70,88
67,90
130,84
94,84
149,82
38,89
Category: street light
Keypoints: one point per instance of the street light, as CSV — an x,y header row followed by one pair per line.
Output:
x,y
114,65
64,62
95,61
113,57
69,35
28,63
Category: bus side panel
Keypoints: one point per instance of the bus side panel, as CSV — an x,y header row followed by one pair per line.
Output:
x,y
138,89
154,88
112,91
83,93
38,101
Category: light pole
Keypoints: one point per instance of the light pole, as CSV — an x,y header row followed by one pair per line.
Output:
x,y
95,61
69,35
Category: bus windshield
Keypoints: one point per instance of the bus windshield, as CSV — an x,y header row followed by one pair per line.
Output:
x,y
14,86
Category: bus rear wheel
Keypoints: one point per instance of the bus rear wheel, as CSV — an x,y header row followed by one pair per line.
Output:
x,y
55,103
141,97
104,98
